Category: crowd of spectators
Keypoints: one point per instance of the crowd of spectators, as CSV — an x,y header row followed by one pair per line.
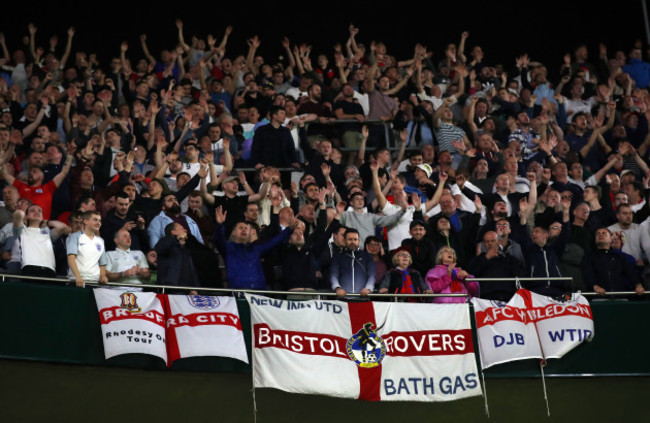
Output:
x,y
357,170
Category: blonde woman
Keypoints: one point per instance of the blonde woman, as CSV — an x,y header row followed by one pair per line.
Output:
x,y
447,278
402,279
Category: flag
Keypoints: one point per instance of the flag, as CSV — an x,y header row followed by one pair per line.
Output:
x,y
561,326
365,350
530,326
131,322
504,331
203,326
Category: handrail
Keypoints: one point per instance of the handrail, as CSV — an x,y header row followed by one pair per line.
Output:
x,y
223,290
552,278
4,276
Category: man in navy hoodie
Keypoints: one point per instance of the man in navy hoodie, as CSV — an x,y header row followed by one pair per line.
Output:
x,y
242,258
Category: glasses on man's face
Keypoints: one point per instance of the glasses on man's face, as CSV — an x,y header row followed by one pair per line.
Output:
x,y
503,225
567,197
556,228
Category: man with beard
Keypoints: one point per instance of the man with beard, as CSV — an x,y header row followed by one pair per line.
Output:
x,y
171,213
314,105
349,108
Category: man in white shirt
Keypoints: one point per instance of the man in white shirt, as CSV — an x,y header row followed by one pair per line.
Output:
x,y
86,252
126,265
637,238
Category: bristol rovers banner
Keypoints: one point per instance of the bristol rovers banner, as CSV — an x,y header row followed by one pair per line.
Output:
x,y
131,323
531,326
365,350
203,326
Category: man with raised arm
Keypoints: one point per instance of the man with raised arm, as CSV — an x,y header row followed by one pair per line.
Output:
x,y
242,258
34,190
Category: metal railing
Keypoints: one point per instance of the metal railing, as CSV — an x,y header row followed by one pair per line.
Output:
x,y
229,291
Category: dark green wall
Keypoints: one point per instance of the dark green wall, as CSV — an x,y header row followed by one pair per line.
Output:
x,y
54,371
61,324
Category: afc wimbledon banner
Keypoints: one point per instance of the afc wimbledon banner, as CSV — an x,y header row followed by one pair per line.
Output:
x,y
531,326
131,323
365,350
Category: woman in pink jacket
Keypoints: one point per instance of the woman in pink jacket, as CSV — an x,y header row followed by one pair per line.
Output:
x,y
446,278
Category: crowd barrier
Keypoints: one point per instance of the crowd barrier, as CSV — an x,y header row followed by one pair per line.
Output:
x,y
51,320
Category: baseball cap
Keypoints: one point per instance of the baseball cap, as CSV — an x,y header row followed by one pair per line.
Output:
x,y
426,168
230,179
625,172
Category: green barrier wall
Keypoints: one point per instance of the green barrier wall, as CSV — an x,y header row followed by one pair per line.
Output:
x,y
60,324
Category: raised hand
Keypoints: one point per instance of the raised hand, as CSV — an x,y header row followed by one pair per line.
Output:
x,y
220,215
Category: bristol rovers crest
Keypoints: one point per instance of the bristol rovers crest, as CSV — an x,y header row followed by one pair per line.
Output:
x,y
366,348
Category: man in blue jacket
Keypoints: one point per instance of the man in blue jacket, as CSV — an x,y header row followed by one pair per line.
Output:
x,y
352,270
243,258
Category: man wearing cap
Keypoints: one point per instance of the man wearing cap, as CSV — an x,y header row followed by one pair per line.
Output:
x,y
233,204
399,230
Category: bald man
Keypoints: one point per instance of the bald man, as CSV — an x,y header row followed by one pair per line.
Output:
x,y
494,262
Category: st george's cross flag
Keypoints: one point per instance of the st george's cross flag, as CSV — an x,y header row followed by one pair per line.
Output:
x,y
364,350
131,322
530,326
169,326
200,325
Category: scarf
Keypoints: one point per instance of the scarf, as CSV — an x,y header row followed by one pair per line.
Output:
x,y
407,283
456,285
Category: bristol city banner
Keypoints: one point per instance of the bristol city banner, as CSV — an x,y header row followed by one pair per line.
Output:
x,y
132,322
365,350
203,326
169,326
531,326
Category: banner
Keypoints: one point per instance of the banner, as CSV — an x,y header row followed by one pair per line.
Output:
x,y
131,323
203,326
169,326
364,350
530,326
561,326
